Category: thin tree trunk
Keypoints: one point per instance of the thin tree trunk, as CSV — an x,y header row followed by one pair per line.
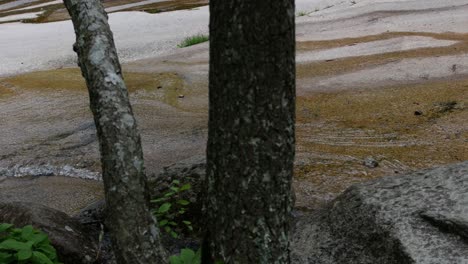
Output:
x,y
135,237
250,151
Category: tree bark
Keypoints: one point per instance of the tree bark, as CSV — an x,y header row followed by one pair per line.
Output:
x,y
251,142
135,237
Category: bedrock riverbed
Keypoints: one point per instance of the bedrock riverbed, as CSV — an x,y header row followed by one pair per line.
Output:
x,y
382,90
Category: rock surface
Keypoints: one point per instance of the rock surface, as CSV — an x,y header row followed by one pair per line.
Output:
x,y
421,217
65,194
74,244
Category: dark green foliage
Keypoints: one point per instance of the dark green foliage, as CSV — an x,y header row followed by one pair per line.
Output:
x,y
188,256
153,11
171,208
25,245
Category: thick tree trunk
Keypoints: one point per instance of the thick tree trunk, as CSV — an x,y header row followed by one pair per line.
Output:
x,y
251,131
133,230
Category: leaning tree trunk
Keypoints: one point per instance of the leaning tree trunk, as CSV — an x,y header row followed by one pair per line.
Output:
x,y
133,230
251,140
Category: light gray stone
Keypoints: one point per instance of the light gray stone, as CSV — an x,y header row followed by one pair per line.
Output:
x,y
416,218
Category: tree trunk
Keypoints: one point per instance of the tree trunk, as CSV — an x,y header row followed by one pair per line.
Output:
x,y
251,142
135,237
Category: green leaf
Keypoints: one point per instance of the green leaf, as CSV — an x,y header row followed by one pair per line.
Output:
x,y
48,250
39,238
164,208
181,211
197,258
176,182
183,202
4,227
163,222
175,260
39,258
169,194
172,223
187,222
16,231
159,200
168,229
6,258
175,189
187,255
174,234
24,254
14,245
27,232
186,187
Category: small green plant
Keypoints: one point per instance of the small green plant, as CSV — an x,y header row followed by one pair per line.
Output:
x,y
170,209
153,11
188,256
25,245
189,41
302,13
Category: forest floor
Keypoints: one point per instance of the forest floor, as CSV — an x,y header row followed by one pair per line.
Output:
x,y
382,81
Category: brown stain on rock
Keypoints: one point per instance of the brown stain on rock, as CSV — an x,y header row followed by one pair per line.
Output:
x,y
349,64
342,128
5,91
58,12
164,86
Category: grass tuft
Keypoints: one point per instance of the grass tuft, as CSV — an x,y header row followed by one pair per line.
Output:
x,y
193,40
153,11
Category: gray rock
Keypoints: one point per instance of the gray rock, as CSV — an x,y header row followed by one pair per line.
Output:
x,y
419,218
371,162
74,244
92,214
453,222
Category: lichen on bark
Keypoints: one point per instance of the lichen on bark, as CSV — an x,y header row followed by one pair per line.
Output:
x,y
135,237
